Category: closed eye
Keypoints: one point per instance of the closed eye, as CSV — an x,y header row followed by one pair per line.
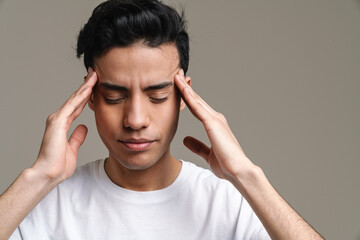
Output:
x,y
158,100
114,101
155,100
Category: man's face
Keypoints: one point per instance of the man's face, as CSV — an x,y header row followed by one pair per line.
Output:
x,y
136,103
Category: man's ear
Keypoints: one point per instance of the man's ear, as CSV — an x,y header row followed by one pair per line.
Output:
x,y
182,103
91,100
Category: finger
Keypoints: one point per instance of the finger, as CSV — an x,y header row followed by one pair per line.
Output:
x,y
197,147
77,111
77,137
188,105
88,79
79,96
88,82
195,95
196,104
188,98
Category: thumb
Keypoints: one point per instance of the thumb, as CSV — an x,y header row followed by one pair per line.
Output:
x,y
77,137
197,147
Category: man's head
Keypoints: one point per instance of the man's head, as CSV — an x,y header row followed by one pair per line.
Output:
x,y
136,48
122,23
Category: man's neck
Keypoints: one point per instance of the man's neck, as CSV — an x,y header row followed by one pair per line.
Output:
x,y
162,174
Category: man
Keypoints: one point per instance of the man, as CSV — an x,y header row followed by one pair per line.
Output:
x,y
137,56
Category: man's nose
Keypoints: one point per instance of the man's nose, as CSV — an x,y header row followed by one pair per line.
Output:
x,y
136,114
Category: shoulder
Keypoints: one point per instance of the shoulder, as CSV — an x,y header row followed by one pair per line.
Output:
x,y
83,176
81,183
199,174
74,190
206,181
222,201
88,170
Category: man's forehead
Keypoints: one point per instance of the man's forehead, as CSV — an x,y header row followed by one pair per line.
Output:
x,y
138,63
145,81
139,53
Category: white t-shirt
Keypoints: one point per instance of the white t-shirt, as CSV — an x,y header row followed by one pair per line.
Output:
x,y
197,205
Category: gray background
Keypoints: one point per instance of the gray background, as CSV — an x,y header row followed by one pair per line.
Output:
x,y
284,73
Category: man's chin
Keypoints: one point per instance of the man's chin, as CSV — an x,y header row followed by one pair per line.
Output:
x,y
140,161
137,167
138,164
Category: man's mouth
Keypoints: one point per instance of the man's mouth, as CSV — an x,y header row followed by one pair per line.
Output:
x,y
136,145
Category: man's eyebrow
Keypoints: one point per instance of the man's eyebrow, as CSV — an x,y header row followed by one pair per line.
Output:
x,y
110,86
159,86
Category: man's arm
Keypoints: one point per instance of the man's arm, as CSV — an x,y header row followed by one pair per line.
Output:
x,y
228,161
55,163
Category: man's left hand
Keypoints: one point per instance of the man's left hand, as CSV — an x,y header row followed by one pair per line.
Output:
x,y
225,156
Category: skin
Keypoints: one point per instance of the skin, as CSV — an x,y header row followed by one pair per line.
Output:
x,y
55,163
228,161
135,118
132,110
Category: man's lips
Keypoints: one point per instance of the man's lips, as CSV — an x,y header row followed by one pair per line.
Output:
x,y
133,144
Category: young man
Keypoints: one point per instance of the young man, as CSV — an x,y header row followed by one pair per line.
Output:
x,y
137,54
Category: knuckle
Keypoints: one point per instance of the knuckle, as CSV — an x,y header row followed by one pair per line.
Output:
x,y
221,118
50,119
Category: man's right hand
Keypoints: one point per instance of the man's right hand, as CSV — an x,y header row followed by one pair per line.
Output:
x,y
58,156
56,161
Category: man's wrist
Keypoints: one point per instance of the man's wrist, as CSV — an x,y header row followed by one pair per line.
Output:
x,y
29,188
247,178
33,175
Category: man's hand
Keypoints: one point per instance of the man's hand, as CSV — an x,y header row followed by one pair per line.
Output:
x,y
58,156
55,163
227,160
225,156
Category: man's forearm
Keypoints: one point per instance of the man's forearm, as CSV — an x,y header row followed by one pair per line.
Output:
x,y
20,198
56,160
278,218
